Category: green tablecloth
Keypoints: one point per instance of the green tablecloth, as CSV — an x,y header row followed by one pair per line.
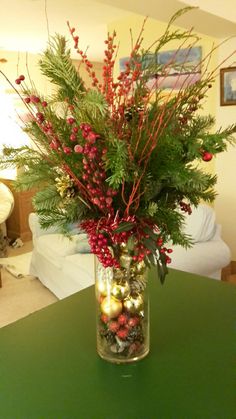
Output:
x,y
49,368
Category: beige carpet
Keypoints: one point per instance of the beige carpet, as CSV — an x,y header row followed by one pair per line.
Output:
x,y
21,296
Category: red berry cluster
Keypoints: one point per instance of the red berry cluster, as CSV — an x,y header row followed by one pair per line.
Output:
x,y
141,252
109,87
36,101
122,325
84,58
163,250
93,171
20,79
99,241
185,207
53,138
102,234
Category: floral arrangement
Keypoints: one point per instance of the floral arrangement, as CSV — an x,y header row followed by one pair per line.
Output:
x,y
120,159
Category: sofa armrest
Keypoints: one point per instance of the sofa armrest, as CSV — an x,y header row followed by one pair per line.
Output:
x,y
36,228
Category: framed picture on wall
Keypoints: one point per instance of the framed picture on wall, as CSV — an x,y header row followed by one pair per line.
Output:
x,y
175,68
228,86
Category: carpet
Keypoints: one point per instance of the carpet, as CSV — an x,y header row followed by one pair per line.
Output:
x,y
18,266
20,298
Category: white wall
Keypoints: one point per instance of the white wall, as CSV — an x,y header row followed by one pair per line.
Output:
x,y
225,204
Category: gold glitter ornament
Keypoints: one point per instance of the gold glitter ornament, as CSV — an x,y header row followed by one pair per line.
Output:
x,y
125,261
134,303
118,274
102,288
111,307
121,290
123,247
64,185
140,267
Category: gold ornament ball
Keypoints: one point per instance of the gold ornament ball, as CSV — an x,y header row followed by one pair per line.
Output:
x,y
118,274
102,288
125,261
141,267
121,291
134,304
124,247
111,307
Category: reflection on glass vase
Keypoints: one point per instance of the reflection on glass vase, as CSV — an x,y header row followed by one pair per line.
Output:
x,y
122,310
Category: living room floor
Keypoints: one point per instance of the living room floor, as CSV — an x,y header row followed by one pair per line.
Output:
x,y
20,297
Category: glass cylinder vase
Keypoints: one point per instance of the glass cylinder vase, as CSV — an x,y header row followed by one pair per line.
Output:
x,y
122,310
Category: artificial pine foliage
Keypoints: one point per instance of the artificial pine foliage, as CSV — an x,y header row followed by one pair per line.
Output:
x,y
120,159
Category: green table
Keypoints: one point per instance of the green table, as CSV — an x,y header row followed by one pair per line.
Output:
x,y
49,368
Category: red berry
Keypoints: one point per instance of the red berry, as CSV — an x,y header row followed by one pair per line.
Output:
x,y
70,120
122,333
207,156
91,137
96,201
78,149
104,318
114,326
34,99
18,81
67,150
44,104
53,145
108,201
122,319
27,100
159,241
133,321
21,77
73,137
40,116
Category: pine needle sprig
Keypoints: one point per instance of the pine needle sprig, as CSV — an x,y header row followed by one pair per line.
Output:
x,y
116,163
57,65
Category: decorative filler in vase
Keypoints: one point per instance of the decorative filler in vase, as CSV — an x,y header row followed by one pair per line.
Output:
x,y
122,309
120,159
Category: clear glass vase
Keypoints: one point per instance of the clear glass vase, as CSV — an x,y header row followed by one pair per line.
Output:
x,y
122,310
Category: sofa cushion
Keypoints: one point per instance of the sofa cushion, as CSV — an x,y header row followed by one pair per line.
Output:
x,y
80,269
200,225
56,246
204,258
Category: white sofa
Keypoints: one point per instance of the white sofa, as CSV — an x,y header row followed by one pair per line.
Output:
x,y
64,265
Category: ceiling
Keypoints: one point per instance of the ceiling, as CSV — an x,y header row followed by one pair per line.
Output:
x,y
24,24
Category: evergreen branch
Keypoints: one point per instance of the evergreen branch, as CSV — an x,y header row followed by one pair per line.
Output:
x,y
57,65
116,163
31,179
62,218
92,109
47,199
